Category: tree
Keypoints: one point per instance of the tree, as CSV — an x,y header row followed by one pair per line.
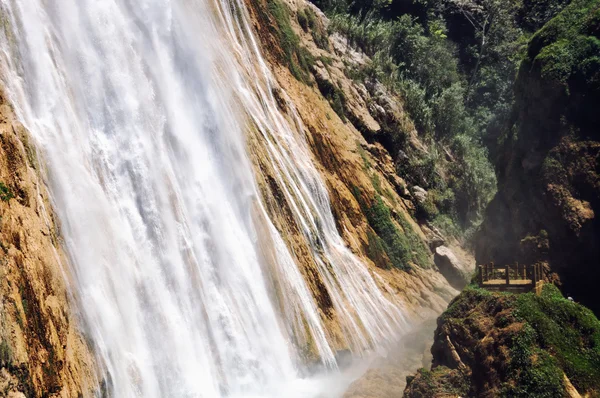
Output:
x,y
490,19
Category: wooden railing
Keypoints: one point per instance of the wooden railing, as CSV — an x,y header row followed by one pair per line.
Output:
x,y
517,276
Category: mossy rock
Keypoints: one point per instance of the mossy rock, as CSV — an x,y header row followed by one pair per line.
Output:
x,y
514,346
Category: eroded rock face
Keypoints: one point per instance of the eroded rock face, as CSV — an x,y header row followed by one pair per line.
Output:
x,y
43,351
349,159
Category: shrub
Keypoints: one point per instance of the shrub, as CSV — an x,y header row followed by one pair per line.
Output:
x,y
417,105
421,170
447,224
5,193
474,179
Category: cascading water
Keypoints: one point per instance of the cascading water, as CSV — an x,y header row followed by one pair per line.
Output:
x,y
139,109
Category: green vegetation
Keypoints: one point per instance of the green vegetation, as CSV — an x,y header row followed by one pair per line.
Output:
x,y
335,96
390,246
535,340
454,63
569,44
534,371
568,331
296,57
5,193
310,23
438,382
418,61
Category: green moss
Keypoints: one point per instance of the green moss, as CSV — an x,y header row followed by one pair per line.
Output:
x,y
427,209
376,181
567,330
546,336
18,316
317,31
5,193
419,251
533,372
364,157
326,60
553,171
396,244
470,297
438,382
302,19
377,251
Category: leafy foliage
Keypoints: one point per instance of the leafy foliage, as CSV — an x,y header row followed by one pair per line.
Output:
x,y
454,62
416,59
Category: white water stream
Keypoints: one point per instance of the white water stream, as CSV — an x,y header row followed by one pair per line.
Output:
x,y
139,109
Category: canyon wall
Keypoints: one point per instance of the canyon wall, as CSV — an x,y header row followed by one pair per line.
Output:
x,y
548,168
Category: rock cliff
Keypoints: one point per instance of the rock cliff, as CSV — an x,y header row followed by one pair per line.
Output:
x,y
548,169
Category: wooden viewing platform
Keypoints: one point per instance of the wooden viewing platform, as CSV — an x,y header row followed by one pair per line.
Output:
x,y
511,278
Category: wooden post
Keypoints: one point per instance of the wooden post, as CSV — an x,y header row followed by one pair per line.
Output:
x,y
508,274
481,275
534,276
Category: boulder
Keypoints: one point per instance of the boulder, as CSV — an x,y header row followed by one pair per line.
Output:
x,y
452,269
419,193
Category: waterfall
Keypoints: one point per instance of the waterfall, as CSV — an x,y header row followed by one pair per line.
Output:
x,y
140,110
